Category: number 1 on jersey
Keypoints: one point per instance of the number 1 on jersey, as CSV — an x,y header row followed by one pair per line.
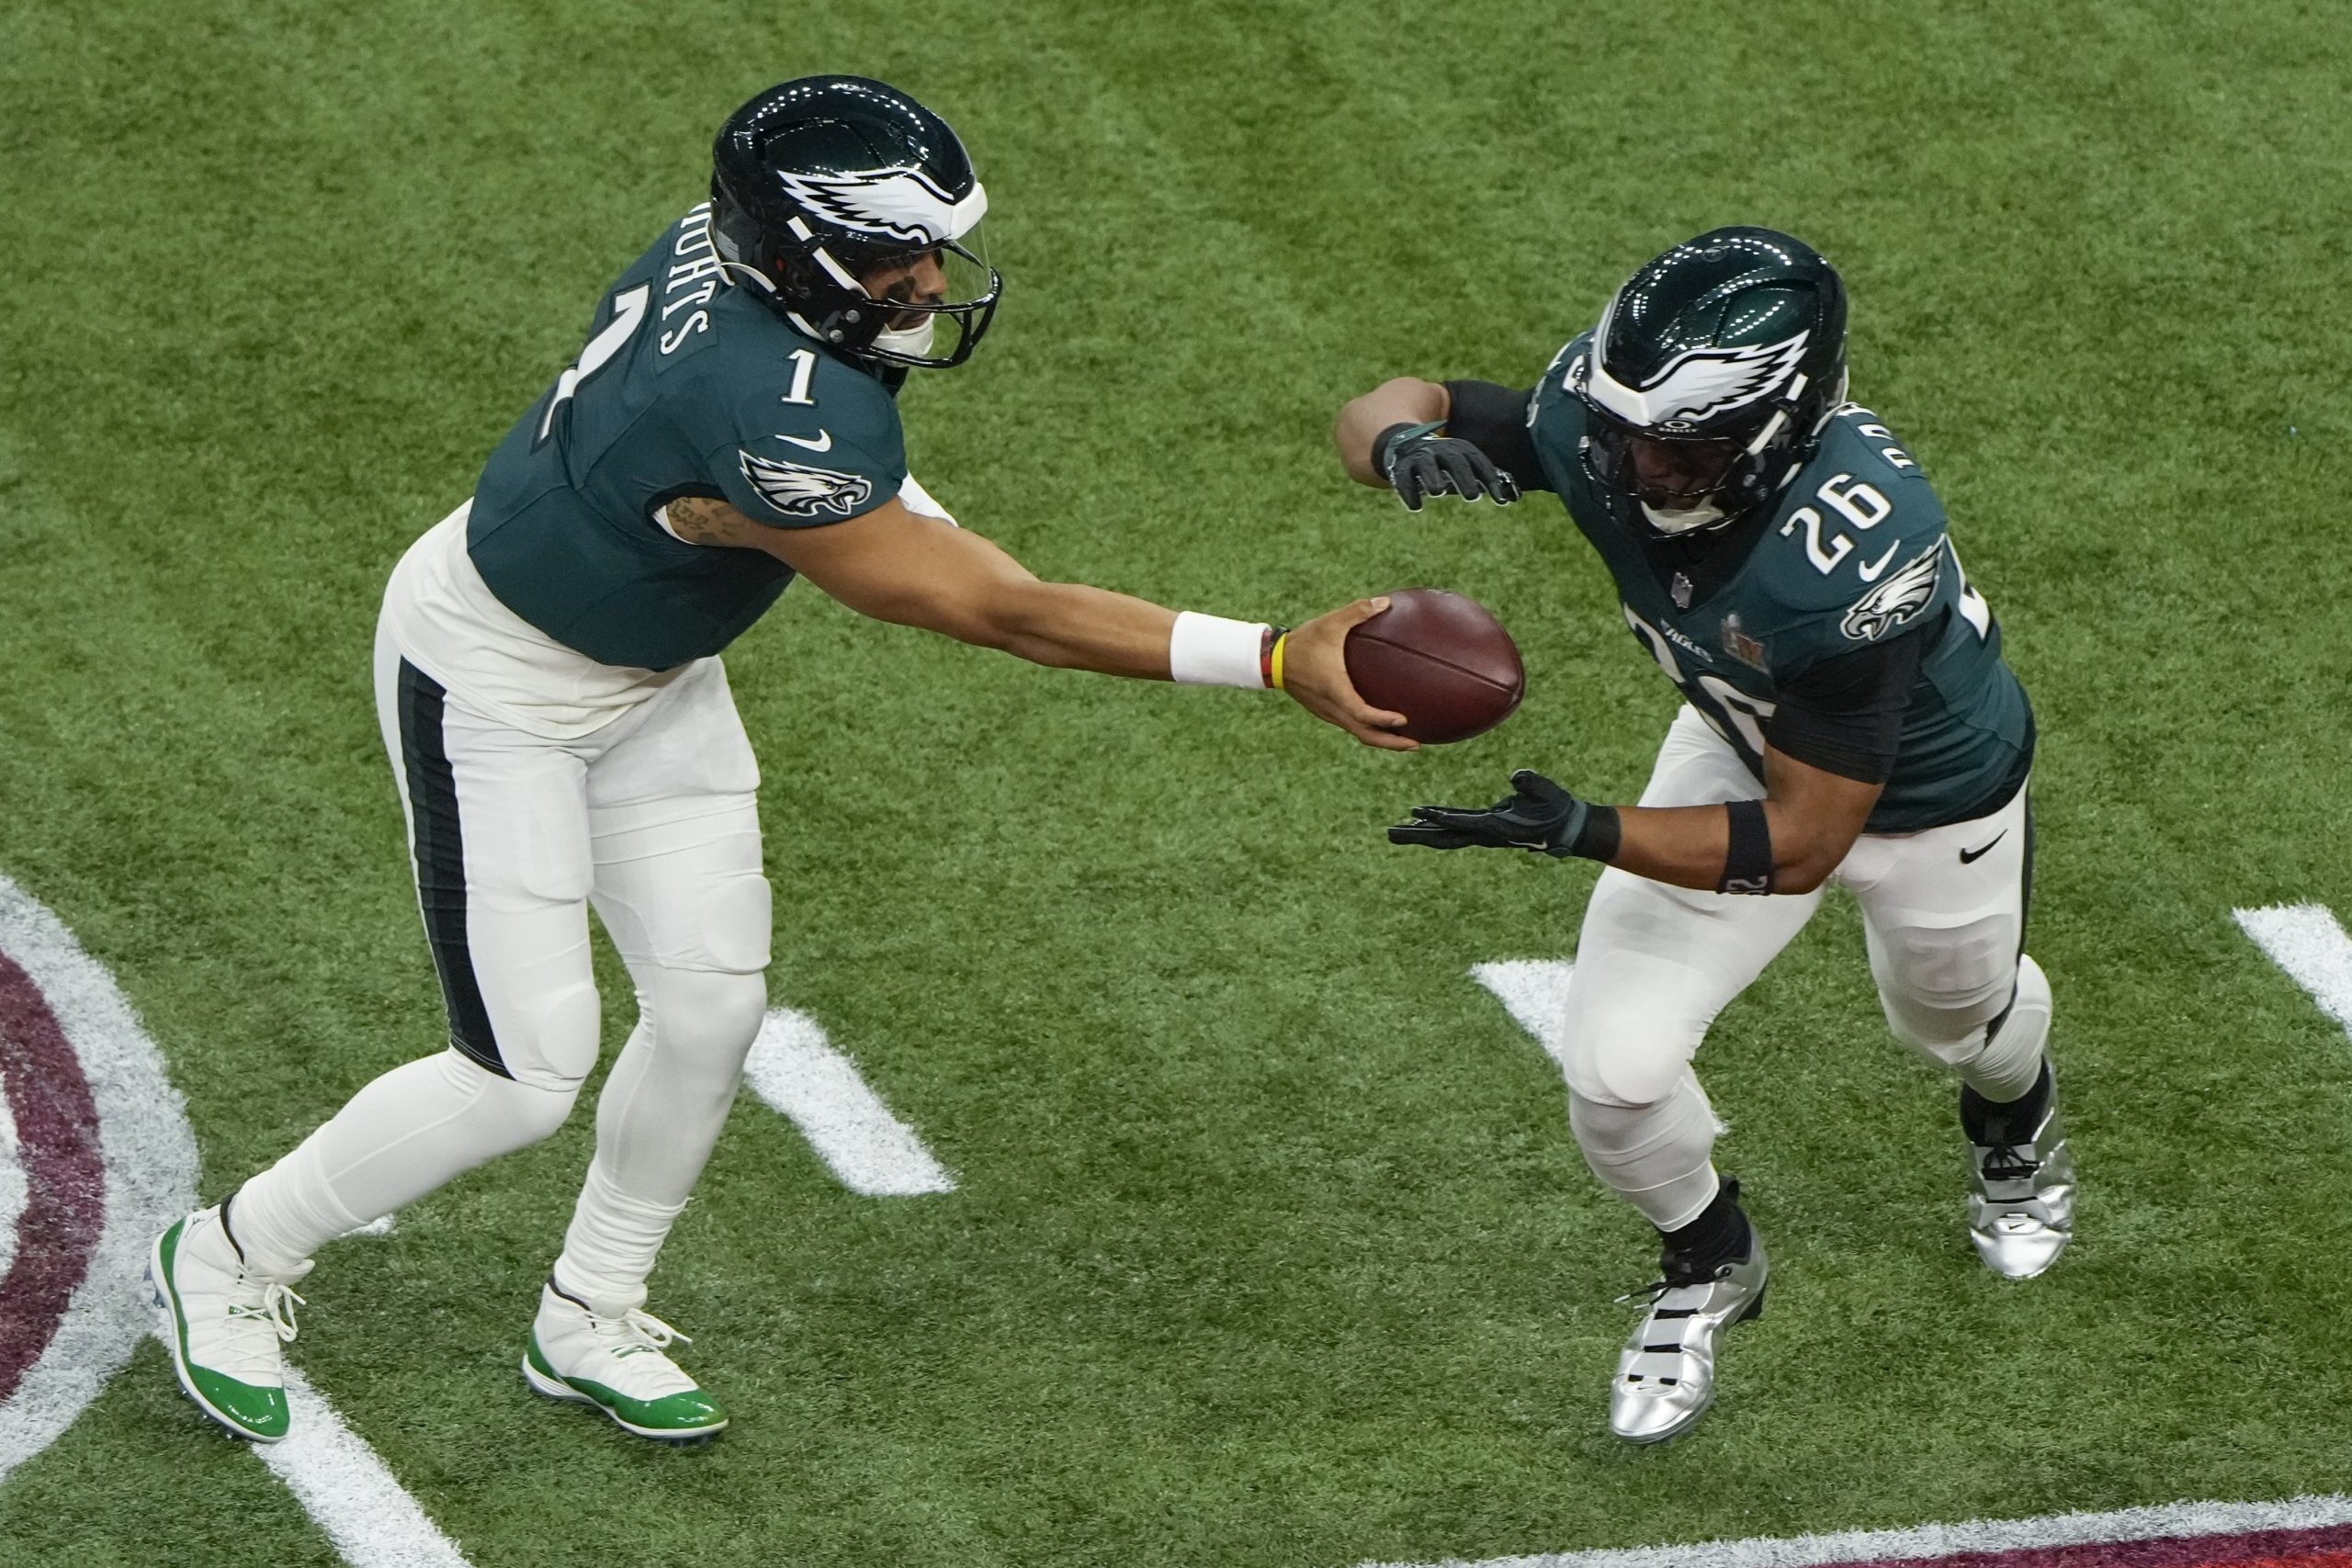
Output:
x,y
804,370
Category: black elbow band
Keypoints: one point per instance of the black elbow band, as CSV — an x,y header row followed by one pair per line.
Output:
x,y
1748,863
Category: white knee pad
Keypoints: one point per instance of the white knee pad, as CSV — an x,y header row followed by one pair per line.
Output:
x,y
549,1040
703,1014
2000,1064
1624,1049
1938,983
668,1094
500,1114
1656,1156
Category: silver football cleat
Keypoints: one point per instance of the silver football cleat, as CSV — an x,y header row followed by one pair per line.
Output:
x,y
2022,1213
1666,1376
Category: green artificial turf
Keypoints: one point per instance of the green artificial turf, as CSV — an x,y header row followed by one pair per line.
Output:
x,y
1272,1245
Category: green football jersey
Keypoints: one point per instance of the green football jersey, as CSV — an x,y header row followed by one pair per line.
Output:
x,y
689,385
1854,553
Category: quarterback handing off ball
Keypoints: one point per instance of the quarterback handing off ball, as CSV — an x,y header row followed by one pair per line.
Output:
x,y
1440,660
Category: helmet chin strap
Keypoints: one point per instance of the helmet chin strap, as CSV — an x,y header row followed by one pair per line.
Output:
x,y
913,341
1684,519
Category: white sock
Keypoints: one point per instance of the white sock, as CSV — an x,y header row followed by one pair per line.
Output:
x,y
610,1248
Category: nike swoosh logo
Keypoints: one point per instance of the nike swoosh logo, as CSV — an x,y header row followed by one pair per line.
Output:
x,y
824,442
1970,857
1870,573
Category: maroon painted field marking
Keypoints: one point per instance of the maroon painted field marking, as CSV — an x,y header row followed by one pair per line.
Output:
x,y
65,1178
2330,1546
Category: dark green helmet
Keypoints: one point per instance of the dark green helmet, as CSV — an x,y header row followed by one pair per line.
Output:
x,y
854,210
1711,375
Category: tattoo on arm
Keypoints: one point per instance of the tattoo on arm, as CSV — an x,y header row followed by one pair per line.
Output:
x,y
707,520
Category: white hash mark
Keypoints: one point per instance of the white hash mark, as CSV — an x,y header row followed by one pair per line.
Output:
x,y
2307,943
1534,991
796,1069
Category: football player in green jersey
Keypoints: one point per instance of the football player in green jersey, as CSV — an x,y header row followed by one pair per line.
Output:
x,y
1846,718
552,700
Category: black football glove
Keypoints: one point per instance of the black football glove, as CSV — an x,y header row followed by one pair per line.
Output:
x,y
1419,462
1537,814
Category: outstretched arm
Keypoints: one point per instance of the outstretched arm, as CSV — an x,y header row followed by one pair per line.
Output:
x,y
1787,842
1828,750
1407,400
1422,438
896,565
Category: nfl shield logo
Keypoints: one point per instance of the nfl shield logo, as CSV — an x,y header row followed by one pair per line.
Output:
x,y
1681,590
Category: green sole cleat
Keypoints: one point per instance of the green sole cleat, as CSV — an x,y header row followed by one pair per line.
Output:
x,y
688,1416
209,1320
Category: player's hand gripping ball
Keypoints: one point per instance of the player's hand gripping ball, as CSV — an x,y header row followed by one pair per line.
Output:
x,y
1440,660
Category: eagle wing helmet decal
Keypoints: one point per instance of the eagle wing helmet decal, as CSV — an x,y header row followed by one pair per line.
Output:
x,y
1699,384
900,204
1897,600
800,489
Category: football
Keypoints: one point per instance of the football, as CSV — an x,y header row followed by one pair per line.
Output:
x,y
1441,660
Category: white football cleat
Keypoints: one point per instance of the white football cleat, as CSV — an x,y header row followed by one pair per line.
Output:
x,y
2021,1215
618,1365
224,1325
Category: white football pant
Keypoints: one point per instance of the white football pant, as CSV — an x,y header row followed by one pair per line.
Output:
x,y
650,818
1943,914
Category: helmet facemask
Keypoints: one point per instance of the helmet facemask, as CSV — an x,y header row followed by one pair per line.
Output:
x,y
884,302
1684,480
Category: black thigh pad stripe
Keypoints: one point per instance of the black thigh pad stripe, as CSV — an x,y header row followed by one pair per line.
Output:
x,y
441,864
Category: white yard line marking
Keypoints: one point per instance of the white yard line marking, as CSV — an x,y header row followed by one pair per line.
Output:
x,y
14,1189
149,1156
1941,1541
796,1069
1534,991
2307,943
372,1519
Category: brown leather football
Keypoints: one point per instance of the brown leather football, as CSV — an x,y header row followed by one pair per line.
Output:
x,y
1440,660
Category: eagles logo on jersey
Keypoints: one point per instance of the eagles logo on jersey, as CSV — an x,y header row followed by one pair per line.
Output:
x,y
1897,600
803,490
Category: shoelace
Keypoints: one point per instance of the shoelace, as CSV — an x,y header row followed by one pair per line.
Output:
x,y
276,1309
2009,1162
1649,1295
638,1329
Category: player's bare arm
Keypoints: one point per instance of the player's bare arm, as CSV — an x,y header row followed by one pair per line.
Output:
x,y
896,565
1394,437
1811,818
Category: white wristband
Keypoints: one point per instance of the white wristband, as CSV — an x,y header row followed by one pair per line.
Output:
x,y
1209,650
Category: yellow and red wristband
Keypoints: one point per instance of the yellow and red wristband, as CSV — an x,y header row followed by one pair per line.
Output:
x,y
1270,655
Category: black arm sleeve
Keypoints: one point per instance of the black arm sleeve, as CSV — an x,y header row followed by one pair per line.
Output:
x,y
1494,419
1845,715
